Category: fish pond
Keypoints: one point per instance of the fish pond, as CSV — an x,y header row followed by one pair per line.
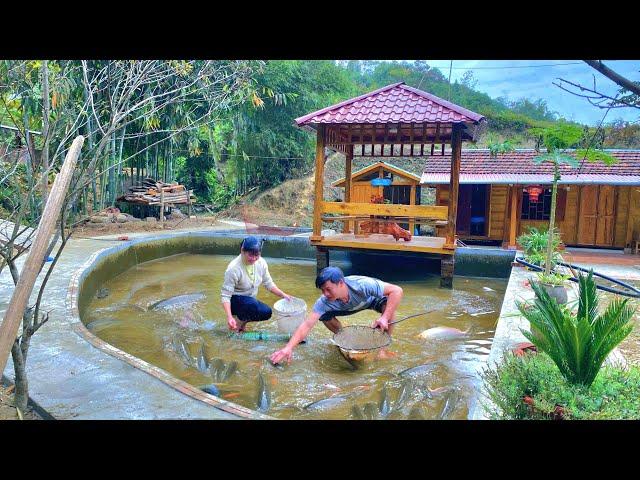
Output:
x,y
168,313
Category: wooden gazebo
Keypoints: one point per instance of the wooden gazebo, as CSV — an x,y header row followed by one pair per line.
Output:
x,y
396,120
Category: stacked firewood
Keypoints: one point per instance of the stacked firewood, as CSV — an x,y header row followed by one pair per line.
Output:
x,y
155,192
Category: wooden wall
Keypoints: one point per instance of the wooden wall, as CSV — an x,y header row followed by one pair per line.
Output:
x,y
626,223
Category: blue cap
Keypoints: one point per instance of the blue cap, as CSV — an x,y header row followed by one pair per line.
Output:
x,y
251,244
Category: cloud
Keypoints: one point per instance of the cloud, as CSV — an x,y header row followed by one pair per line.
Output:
x,y
537,82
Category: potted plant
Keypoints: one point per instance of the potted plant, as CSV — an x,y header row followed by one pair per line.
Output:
x,y
577,342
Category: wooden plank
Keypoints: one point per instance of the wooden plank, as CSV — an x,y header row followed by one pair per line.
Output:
x,y
513,215
386,242
412,200
454,181
347,186
411,137
419,211
319,184
33,263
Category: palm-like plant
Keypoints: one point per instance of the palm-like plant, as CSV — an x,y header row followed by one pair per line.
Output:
x,y
578,343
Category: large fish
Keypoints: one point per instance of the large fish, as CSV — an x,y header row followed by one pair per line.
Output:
x,y
181,349
370,411
263,400
383,405
405,391
325,403
450,404
203,363
216,369
442,333
229,370
420,370
179,301
357,413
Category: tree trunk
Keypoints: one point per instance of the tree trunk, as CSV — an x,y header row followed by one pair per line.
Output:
x,y
21,394
45,132
552,218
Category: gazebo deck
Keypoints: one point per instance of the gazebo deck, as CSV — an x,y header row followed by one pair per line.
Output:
x,y
385,242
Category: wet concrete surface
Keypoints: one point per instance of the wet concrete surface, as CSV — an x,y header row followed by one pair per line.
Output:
x,y
71,379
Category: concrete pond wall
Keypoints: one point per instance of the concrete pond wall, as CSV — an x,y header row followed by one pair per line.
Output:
x,y
110,262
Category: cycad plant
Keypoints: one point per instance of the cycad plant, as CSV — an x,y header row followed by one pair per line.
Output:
x,y
579,342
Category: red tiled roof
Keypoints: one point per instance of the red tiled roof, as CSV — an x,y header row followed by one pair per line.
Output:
x,y
392,104
477,166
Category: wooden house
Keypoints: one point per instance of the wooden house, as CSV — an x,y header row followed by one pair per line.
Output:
x,y
403,187
499,197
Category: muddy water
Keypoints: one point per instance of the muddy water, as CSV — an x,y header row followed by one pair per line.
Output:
x,y
384,388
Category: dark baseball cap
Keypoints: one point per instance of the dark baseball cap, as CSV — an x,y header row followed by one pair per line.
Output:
x,y
251,244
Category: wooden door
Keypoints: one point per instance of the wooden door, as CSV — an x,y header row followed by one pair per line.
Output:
x,y
596,215
463,218
606,215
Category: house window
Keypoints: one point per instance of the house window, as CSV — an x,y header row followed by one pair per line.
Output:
x,y
541,210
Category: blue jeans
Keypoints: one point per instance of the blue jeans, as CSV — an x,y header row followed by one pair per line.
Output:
x,y
249,309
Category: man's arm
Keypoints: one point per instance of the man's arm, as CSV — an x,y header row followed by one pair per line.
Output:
x,y
299,335
394,294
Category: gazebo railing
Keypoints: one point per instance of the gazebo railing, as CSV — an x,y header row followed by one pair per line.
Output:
x,y
350,211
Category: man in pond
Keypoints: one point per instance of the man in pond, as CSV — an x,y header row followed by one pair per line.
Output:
x,y
243,276
345,296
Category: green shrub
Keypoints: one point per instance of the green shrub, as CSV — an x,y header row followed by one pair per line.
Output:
x,y
577,342
613,395
534,243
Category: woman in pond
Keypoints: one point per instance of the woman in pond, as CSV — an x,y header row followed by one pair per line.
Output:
x,y
243,276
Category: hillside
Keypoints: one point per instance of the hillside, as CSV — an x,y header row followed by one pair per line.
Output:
x,y
291,202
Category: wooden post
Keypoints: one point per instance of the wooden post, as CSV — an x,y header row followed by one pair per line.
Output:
x,y
513,218
319,185
162,206
454,181
446,271
412,201
322,259
347,184
33,263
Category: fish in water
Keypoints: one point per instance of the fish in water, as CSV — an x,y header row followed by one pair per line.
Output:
x,y
419,370
450,404
203,363
357,413
102,324
442,332
325,403
102,293
229,370
263,400
210,389
370,411
383,406
179,301
216,369
181,349
405,391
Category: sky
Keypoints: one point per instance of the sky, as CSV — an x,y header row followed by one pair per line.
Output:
x,y
534,79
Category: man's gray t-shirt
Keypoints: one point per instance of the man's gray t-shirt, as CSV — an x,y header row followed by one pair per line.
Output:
x,y
363,291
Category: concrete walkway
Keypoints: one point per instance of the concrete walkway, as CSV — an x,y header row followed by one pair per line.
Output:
x,y
71,379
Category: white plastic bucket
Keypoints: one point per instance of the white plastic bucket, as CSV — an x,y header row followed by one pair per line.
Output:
x,y
289,314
